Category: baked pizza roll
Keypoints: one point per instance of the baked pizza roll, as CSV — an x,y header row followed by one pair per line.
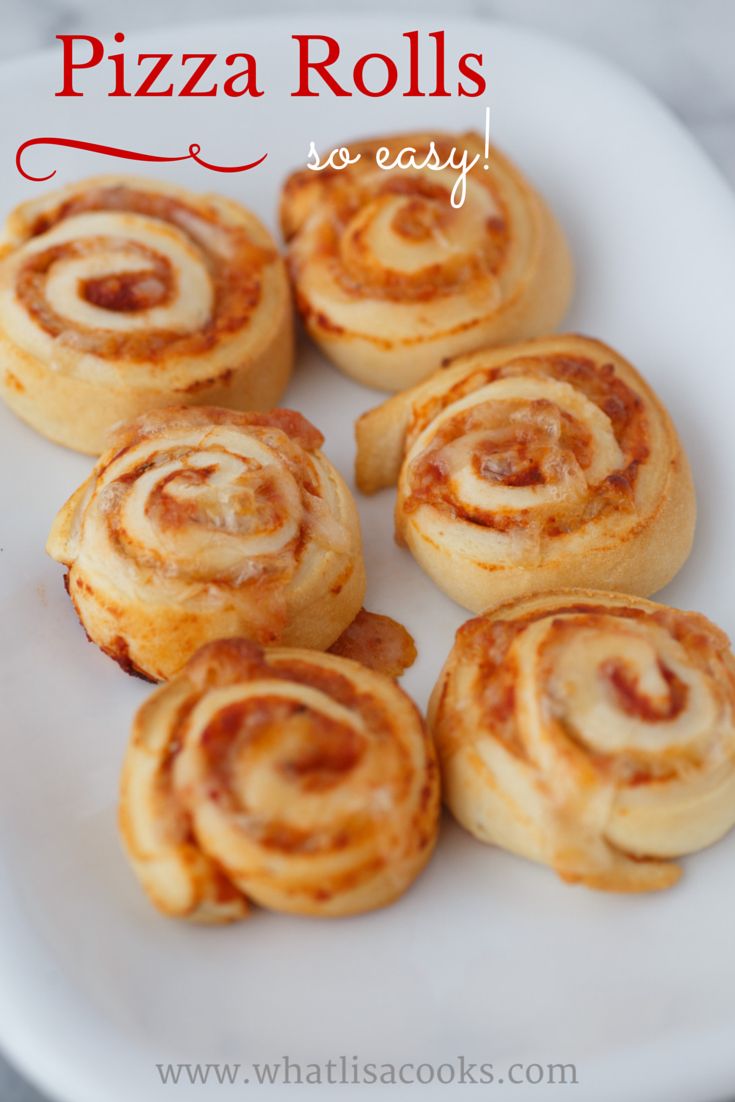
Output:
x,y
391,278
300,781
119,295
544,464
200,523
590,731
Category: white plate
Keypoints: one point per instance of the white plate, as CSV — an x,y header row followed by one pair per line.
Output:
x,y
487,956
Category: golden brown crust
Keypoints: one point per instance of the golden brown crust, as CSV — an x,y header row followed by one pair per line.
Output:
x,y
391,279
539,465
378,642
301,781
590,731
119,295
199,523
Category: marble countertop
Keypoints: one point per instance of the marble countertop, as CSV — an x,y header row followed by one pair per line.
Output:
x,y
681,49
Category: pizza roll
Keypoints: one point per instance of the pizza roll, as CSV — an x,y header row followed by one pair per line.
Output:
x,y
590,731
297,780
119,295
201,523
391,278
544,464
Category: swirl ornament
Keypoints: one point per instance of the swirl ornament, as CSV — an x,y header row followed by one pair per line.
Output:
x,y
119,295
300,781
391,279
592,732
545,464
202,523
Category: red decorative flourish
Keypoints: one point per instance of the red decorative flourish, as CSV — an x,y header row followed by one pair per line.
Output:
x,y
128,154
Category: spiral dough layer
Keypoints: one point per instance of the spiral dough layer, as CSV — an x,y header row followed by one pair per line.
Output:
x,y
300,781
119,295
590,731
391,278
202,523
544,464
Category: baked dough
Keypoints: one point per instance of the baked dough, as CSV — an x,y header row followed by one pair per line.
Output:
x,y
391,279
202,523
590,731
544,464
119,295
300,781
